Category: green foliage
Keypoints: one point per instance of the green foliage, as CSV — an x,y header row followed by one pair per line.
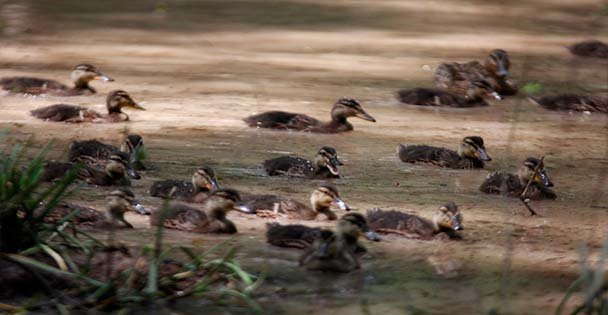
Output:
x,y
532,88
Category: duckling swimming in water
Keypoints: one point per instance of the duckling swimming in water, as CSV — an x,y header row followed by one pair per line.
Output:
x,y
590,49
211,219
325,165
202,183
457,77
471,153
514,184
337,252
447,221
81,75
474,97
113,174
344,108
116,101
573,102
321,200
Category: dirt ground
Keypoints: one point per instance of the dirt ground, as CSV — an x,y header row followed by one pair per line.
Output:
x,y
200,67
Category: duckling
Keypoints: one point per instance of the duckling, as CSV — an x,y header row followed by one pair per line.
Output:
x,y
211,219
573,102
471,153
321,200
294,235
325,165
435,97
344,108
457,77
119,202
94,152
590,49
446,221
337,252
113,174
116,101
203,182
81,75
514,184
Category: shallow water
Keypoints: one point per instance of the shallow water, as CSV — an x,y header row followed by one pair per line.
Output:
x,y
199,67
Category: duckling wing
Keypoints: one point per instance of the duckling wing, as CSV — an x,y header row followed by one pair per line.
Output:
x,y
427,154
172,189
281,120
572,102
91,148
289,165
55,170
591,48
261,202
84,215
30,85
295,235
499,182
58,112
400,223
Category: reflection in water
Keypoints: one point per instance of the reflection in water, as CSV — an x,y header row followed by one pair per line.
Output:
x,y
15,18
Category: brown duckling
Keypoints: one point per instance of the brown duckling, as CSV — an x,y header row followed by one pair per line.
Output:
x,y
471,153
337,252
590,49
294,235
514,184
93,152
121,201
211,219
113,174
573,102
116,101
202,183
344,108
81,75
457,77
446,221
325,165
476,92
321,200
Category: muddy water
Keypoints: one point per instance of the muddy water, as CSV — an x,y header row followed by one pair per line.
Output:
x,y
200,67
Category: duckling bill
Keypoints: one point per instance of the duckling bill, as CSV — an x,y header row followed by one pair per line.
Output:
x,y
514,184
325,165
471,153
447,220
115,102
81,75
344,108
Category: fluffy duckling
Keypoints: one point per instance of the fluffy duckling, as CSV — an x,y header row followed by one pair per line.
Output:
x,y
81,75
475,94
471,153
321,200
121,201
325,165
344,108
457,77
211,219
573,102
116,101
112,175
446,221
337,252
514,184
202,183
294,235
590,49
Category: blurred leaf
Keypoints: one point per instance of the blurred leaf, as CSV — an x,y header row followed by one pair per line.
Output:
x,y
532,88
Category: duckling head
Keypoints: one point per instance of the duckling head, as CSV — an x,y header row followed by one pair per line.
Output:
x,y
204,179
119,99
117,165
354,224
349,107
324,196
448,217
132,143
85,73
480,89
327,157
526,172
473,147
498,63
224,200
